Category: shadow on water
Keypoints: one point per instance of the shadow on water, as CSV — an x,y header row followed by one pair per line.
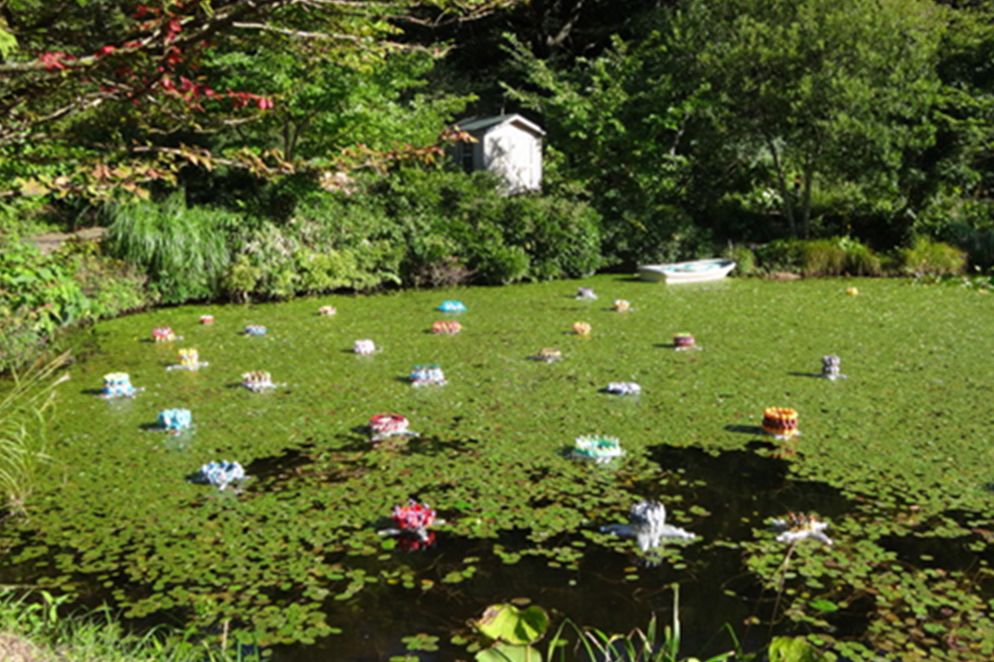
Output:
x,y
592,579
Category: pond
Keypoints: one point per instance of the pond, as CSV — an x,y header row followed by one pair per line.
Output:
x,y
896,458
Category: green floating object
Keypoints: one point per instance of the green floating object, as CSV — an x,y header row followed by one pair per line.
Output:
x,y
508,623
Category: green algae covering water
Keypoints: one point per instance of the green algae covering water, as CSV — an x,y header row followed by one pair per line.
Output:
x,y
897,458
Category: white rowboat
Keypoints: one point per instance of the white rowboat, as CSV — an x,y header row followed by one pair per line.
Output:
x,y
687,272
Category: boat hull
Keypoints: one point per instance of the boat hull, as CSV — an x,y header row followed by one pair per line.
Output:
x,y
695,271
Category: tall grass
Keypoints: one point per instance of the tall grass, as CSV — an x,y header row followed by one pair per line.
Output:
x,y
183,250
23,447
34,629
654,644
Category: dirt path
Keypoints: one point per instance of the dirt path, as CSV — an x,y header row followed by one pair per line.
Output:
x,y
51,241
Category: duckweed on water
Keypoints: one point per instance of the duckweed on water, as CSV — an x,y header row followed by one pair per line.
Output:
x,y
894,457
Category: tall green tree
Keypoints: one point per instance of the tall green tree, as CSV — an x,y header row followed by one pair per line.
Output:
x,y
828,92
116,85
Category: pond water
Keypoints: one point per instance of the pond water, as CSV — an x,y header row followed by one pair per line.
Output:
x,y
896,459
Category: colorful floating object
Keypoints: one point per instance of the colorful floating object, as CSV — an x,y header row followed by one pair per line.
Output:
x,y
364,347
831,367
118,385
596,447
801,526
163,334
684,341
255,330
429,374
622,305
206,319
585,293
221,474
647,525
189,359
452,307
175,420
449,327
781,422
549,355
389,425
852,291
257,381
412,521
624,388
581,328
327,310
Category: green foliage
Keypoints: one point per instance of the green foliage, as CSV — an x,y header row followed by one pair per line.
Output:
x,y
614,125
810,90
182,249
38,296
23,408
781,255
745,259
926,257
822,257
39,621
112,286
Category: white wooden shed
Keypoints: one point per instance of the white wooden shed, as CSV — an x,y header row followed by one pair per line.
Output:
x,y
510,146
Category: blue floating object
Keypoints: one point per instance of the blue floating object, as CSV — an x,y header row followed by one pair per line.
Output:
x,y
175,419
452,307
222,474
255,330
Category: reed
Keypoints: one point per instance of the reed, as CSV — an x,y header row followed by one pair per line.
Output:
x,y
23,444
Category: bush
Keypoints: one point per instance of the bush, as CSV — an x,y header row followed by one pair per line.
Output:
x,y
112,286
860,259
781,255
745,259
183,250
822,257
926,257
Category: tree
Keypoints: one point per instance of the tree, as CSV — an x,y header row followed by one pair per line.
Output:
x,y
838,91
125,89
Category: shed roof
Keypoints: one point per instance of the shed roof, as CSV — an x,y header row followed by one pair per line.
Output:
x,y
483,124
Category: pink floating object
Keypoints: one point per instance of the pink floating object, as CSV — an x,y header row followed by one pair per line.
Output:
x,y
206,319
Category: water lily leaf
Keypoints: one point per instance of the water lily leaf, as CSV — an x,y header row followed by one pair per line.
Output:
x,y
823,605
789,649
508,653
505,622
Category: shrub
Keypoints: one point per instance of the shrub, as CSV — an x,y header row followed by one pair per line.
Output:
x,y
112,286
860,259
822,257
745,259
926,257
781,255
182,249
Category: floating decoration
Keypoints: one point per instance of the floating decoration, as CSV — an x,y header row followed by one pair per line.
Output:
x,y
852,291
389,425
781,422
257,381
622,305
412,521
798,526
424,375
206,319
450,327
163,334
831,366
452,307
255,330
581,328
221,474
596,447
684,341
327,310
585,293
118,385
175,420
364,347
189,359
647,525
549,355
624,388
